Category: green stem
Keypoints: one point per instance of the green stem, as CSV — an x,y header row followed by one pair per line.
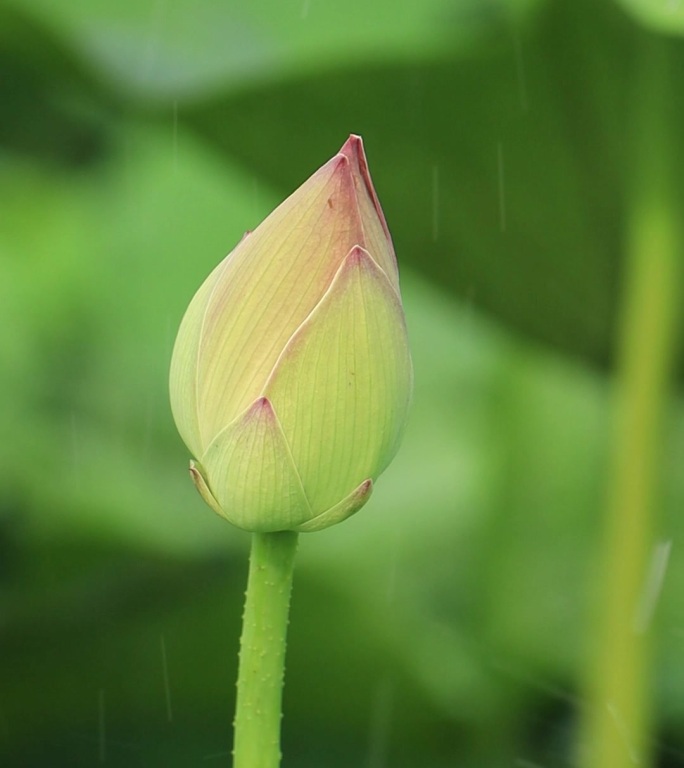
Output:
x,y
617,725
262,651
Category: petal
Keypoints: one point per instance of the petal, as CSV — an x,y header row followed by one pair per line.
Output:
x,y
270,284
183,374
250,471
197,475
275,278
376,237
346,508
342,386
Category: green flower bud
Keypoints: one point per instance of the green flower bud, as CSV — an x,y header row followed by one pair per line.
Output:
x,y
291,374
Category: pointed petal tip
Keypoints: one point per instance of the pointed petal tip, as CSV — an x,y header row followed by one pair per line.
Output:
x,y
203,488
340,163
353,147
359,496
261,408
354,151
341,511
358,256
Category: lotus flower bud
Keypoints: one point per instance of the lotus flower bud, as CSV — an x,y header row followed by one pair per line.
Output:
x,y
291,375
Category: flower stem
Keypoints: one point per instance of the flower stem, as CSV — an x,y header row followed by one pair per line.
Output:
x,y
262,650
617,727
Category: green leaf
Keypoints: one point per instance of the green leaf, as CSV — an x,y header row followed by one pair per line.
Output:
x,y
503,174
499,139
183,50
665,16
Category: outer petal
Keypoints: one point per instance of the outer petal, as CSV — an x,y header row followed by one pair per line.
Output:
x,y
270,284
376,237
346,508
197,475
250,473
343,383
183,375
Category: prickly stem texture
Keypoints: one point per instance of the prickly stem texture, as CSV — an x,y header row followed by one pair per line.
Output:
x,y
262,650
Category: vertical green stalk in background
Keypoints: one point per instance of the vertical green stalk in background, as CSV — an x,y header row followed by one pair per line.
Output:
x,y
262,650
617,727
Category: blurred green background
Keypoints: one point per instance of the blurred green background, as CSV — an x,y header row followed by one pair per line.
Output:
x,y
448,624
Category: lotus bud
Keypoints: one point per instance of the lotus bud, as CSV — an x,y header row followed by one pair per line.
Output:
x,y
291,374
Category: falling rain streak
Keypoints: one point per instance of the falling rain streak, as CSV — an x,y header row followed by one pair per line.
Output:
x,y
435,202
383,699
652,587
520,70
256,198
165,673
75,451
380,724
623,733
175,137
393,569
502,187
101,732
